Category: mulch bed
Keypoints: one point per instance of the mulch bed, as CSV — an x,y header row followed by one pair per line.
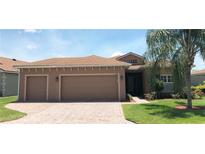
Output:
x,y
183,107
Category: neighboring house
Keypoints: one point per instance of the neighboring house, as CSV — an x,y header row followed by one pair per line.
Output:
x,y
91,78
197,77
8,76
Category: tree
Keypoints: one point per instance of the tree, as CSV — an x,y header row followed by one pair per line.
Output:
x,y
180,47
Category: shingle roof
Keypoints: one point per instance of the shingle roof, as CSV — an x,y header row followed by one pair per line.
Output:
x,y
6,64
198,72
75,61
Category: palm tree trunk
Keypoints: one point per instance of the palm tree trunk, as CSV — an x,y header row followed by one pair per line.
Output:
x,y
188,88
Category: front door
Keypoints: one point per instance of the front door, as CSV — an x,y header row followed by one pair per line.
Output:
x,y
134,85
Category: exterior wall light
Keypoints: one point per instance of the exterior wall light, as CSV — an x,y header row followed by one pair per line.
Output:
x,y
57,79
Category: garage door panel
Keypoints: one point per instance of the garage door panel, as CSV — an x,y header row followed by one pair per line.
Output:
x,y
36,88
89,88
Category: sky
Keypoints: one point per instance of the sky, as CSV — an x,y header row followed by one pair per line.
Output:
x,y
32,44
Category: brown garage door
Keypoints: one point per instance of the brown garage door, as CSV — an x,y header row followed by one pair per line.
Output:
x,y
36,88
89,88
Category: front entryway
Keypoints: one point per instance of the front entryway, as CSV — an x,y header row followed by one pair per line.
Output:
x,y
134,84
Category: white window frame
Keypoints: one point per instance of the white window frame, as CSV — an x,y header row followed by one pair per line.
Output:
x,y
166,76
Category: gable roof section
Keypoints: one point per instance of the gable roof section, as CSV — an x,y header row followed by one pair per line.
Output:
x,y
6,64
199,72
130,53
74,62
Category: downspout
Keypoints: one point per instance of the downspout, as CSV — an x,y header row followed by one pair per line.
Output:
x,y
19,77
3,84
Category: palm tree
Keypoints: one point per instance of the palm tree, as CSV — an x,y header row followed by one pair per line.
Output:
x,y
180,47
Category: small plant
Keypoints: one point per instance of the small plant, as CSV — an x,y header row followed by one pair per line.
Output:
x,y
150,96
176,96
158,86
129,97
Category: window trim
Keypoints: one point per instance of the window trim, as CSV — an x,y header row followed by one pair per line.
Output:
x,y
166,75
133,61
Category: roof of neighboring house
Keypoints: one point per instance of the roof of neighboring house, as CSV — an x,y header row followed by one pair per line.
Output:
x,y
74,62
6,64
198,72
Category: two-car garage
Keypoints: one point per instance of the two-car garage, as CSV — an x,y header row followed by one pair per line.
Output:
x,y
73,87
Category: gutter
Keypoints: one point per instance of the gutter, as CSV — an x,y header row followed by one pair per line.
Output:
x,y
6,71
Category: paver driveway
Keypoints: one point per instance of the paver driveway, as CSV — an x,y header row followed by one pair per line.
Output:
x,y
40,113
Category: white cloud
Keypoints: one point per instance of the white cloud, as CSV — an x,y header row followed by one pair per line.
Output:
x,y
31,46
117,53
32,31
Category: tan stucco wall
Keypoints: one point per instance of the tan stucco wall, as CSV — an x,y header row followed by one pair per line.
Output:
x,y
146,81
140,61
166,70
53,88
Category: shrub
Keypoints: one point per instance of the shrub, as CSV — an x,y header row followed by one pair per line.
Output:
x,y
196,96
176,96
199,87
197,93
150,96
158,86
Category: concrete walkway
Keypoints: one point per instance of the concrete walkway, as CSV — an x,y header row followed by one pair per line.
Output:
x,y
69,113
140,101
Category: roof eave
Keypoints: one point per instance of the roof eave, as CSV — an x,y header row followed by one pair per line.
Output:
x,y
8,71
54,66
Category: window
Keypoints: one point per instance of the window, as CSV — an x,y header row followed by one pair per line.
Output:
x,y
163,78
169,78
166,78
133,61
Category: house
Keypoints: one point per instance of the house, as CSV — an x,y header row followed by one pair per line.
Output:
x,y
9,76
197,77
83,79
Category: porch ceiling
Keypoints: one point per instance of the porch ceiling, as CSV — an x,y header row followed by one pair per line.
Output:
x,y
136,67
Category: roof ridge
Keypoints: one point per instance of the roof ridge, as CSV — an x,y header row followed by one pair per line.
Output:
x,y
70,58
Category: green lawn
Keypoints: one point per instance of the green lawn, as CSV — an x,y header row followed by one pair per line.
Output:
x,y
8,114
163,112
